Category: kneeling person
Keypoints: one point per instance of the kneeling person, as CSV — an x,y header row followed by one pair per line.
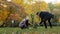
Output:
x,y
24,23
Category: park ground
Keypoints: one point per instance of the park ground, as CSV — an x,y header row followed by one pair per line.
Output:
x,y
39,30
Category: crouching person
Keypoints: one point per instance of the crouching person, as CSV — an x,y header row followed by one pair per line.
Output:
x,y
24,23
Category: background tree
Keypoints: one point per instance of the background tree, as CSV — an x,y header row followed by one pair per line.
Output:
x,y
51,7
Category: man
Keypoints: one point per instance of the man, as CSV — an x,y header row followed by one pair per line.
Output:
x,y
45,16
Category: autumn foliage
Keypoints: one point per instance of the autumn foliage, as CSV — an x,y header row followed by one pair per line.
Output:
x,y
19,9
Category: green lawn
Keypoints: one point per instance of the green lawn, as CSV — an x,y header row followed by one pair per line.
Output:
x,y
39,30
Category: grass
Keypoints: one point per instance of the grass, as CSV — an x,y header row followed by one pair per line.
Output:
x,y
39,30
